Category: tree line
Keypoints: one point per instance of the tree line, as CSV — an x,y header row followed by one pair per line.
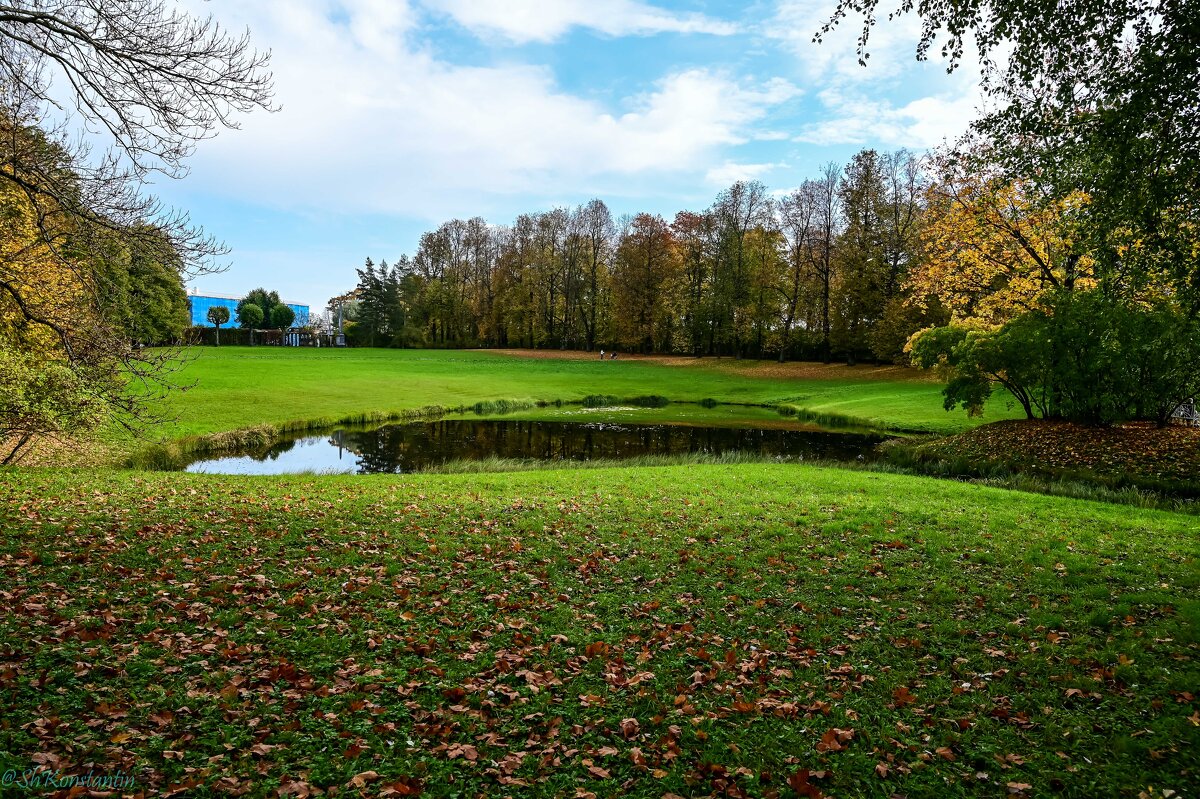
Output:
x,y
821,271
951,261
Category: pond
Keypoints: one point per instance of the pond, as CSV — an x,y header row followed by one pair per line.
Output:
x,y
400,448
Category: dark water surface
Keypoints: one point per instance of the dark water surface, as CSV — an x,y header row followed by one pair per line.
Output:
x,y
399,448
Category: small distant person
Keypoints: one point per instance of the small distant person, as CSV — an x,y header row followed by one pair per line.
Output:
x,y
602,355
614,356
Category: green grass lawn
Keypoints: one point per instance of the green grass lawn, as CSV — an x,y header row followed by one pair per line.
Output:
x,y
751,630
239,387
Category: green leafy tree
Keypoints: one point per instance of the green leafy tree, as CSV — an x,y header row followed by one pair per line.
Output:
x,y
139,287
371,311
157,301
264,300
47,398
249,316
1163,360
217,316
1098,97
695,241
974,362
859,255
738,210
1087,356
282,317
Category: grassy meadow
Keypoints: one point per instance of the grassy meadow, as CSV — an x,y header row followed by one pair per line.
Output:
x,y
240,387
738,630
732,631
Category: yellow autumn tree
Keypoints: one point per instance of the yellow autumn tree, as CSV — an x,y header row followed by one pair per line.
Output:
x,y
43,390
38,290
645,271
61,372
992,248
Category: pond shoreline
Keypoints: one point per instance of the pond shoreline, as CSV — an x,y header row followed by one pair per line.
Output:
x,y
175,454
419,446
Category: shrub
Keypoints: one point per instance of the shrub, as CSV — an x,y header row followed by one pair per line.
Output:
x,y
1087,357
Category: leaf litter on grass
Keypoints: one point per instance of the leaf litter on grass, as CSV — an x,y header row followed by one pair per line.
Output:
x,y
693,631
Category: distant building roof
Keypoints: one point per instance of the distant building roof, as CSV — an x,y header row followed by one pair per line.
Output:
x,y
214,296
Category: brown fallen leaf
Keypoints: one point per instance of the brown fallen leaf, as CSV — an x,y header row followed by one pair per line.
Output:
x,y
297,788
465,751
834,740
799,782
361,779
405,786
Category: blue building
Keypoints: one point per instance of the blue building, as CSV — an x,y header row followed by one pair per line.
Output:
x,y
200,303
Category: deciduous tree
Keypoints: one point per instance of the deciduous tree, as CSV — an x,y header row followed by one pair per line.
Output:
x,y
282,317
151,81
994,247
645,266
250,316
217,316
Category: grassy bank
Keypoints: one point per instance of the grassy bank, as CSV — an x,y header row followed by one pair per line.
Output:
x,y
733,630
239,387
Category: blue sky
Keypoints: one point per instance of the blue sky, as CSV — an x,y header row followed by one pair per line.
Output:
x,y
395,116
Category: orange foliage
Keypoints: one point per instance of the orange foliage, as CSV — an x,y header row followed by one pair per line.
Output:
x,y
992,248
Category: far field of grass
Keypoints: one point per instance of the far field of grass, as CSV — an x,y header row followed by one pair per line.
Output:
x,y
240,387
750,630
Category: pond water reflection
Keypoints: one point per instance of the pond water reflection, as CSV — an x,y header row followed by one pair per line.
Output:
x,y
400,448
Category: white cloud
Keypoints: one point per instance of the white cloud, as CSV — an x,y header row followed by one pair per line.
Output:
x,y
859,103
370,122
524,21
891,47
730,172
856,119
851,117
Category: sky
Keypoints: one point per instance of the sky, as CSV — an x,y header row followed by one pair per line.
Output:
x,y
394,116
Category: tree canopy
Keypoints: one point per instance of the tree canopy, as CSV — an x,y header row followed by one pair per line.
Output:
x,y
1096,98
263,301
250,315
1064,233
282,317
91,264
